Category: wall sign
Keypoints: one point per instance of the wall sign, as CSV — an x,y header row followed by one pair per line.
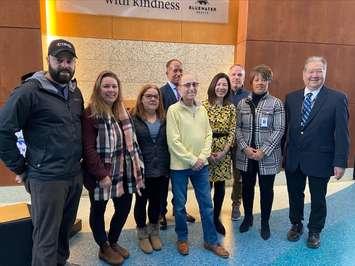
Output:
x,y
212,11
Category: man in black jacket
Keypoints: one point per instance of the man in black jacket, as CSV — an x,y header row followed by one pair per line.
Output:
x,y
47,107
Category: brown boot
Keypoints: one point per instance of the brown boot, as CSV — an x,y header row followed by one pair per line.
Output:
x,y
107,254
154,236
143,238
121,250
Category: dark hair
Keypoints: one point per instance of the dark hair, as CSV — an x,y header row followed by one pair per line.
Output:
x,y
139,111
211,92
263,70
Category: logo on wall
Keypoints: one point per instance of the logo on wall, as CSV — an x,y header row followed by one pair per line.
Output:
x,y
202,7
202,2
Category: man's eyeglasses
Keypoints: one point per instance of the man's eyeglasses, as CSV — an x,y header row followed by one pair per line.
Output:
x,y
189,84
151,96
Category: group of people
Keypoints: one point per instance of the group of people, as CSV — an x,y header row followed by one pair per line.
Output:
x,y
169,134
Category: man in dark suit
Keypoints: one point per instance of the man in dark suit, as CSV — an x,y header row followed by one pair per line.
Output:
x,y
317,145
238,92
170,96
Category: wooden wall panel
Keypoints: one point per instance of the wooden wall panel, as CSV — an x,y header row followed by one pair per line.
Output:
x,y
287,61
75,25
283,34
310,21
19,13
21,52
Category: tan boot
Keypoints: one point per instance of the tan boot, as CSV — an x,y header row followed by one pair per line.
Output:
x,y
143,238
154,236
107,254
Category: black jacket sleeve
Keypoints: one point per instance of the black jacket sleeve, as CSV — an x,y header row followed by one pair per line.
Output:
x,y
13,118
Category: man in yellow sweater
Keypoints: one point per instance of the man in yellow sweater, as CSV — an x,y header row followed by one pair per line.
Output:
x,y
189,138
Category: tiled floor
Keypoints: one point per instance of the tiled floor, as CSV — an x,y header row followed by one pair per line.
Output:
x,y
337,248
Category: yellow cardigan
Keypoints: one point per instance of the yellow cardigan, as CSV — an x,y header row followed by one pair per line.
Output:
x,y
189,135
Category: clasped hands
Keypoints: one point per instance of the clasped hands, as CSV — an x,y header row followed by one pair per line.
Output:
x,y
215,157
254,154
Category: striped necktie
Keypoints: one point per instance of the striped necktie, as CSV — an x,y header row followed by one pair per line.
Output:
x,y
307,108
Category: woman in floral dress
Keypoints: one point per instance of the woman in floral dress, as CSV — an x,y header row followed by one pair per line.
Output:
x,y
222,117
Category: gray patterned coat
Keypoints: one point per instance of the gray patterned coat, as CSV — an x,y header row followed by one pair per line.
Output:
x,y
269,129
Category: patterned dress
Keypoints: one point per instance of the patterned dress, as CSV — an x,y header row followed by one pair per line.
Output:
x,y
223,123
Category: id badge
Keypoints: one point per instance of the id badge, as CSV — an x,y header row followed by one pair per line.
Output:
x,y
263,122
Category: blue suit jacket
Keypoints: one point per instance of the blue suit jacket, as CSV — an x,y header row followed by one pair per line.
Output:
x,y
168,95
324,140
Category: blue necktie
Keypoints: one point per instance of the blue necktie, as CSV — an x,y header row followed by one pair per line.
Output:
x,y
177,95
307,108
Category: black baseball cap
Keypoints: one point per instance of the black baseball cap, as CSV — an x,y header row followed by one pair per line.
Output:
x,y
61,45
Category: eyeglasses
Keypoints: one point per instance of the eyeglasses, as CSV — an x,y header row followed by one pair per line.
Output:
x,y
189,84
151,96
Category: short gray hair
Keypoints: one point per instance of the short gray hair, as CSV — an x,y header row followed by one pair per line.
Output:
x,y
315,59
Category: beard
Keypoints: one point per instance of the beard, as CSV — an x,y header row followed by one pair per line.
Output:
x,y
61,75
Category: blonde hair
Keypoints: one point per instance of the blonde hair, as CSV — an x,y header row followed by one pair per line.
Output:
x,y
98,107
139,110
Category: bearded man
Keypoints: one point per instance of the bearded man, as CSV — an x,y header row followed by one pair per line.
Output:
x,y
47,107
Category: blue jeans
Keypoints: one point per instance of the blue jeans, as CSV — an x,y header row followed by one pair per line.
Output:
x,y
201,185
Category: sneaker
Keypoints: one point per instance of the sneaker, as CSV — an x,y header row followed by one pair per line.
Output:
x,y
235,215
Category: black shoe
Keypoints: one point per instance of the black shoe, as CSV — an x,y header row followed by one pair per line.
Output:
x,y
313,240
220,227
295,232
246,224
265,230
163,223
190,218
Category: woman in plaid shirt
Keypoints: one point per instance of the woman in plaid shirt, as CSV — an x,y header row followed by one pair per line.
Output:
x,y
260,127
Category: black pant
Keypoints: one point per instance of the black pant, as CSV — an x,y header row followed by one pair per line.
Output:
x,y
122,207
53,211
164,195
218,197
266,184
296,183
152,192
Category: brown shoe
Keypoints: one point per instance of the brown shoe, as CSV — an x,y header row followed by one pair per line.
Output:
x,y
295,232
182,247
217,249
121,250
107,254
313,240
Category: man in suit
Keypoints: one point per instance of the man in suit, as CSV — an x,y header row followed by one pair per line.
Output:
x,y
237,77
170,96
317,145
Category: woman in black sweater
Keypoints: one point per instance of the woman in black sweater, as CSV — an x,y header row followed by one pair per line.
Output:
x,y
149,121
